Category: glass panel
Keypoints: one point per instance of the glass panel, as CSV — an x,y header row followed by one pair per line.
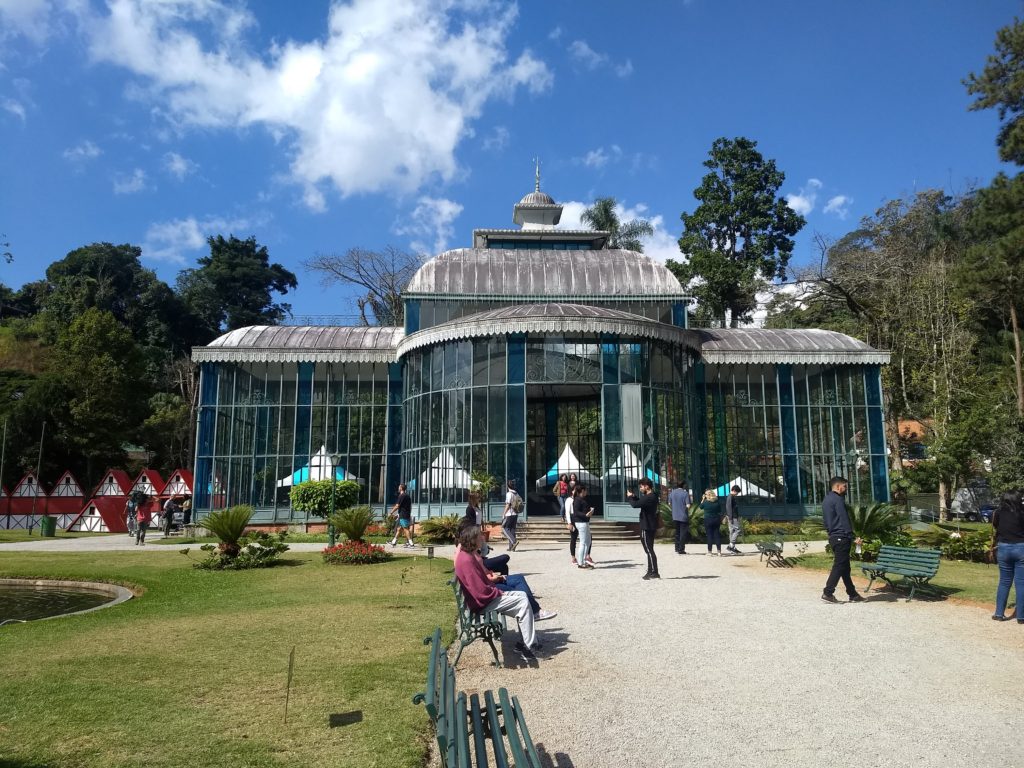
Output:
x,y
516,414
497,361
516,359
480,363
496,414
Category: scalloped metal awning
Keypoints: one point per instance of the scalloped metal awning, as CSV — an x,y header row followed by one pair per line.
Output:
x,y
548,319
807,346
284,344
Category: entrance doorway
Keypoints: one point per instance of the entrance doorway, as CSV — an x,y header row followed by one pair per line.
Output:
x,y
558,415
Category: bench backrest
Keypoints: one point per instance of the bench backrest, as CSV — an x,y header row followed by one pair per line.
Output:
x,y
909,558
465,614
441,699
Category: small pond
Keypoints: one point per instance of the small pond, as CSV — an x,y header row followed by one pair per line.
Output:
x,y
28,600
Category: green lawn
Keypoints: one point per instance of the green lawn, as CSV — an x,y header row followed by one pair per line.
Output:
x,y
975,582
193,672
9,537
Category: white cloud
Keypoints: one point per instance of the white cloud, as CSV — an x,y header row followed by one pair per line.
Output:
x,y
380,101
497,140
25,17
82,152
432,218
131,183
555,33
170,240
596,158
839,205
587,58
16,108
803,201
660,246
179,167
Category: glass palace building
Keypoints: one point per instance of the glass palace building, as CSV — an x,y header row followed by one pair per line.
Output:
x,y
538,351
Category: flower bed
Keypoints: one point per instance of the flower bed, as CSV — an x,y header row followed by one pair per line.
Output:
x,y
355,553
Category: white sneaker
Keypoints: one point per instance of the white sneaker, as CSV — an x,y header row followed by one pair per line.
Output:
x,y
393,542
409,545
543,615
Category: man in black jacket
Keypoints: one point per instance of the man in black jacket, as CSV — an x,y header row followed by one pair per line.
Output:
x,y
840,536
648,504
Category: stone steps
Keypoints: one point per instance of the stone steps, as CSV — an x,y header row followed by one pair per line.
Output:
x,y
553,529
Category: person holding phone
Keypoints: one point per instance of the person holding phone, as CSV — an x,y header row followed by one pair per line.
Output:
x,y
647,502
581,514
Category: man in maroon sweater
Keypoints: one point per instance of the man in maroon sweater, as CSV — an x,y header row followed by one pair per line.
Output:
x,y
482,595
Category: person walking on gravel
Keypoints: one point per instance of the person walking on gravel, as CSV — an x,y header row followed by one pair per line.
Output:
x,y
647,502
1008,542
403,508
732,512
679,500
510,517
840,538
144,516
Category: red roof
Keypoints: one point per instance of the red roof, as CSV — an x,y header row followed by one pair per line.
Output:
x,y
121,478
186,478
154,479
111,509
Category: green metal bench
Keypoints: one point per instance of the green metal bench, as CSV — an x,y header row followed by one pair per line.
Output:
x,y
773,549
487,625
916,566
471,734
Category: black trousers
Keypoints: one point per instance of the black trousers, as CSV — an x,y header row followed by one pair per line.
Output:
x,y
498,563
840,565
574,536
682,534
647,540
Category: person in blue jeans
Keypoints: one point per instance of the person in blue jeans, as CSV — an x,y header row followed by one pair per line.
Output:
x,y
1008,541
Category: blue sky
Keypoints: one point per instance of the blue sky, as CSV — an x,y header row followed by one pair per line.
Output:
x,y
319,126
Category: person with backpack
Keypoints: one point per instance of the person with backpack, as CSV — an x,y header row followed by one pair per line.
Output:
x,y
513,506
144,516
732,513
130,509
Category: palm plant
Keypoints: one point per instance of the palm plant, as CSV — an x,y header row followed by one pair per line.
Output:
x,y
353,522
602,216
877,521
229,525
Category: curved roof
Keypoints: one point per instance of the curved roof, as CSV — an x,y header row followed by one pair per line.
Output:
x,y
763,345
548,318
304,343
537,198
500,273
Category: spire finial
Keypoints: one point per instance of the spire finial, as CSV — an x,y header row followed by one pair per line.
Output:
x,y
536,175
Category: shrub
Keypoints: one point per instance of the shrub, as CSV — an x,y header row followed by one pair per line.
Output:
x,y
972,546
228,525
353,522
314,496
877,521
356,553
257,549
440,530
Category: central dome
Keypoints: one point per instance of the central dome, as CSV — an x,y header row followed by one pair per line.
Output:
x,y
537,198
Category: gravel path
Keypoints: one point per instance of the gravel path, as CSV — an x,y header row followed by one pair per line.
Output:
x,y
726,661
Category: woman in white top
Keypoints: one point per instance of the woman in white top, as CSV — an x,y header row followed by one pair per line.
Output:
x,y
511,515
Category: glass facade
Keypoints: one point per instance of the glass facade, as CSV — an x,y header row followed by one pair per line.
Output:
x,y
264,426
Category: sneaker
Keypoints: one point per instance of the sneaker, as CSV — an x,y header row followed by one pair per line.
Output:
x,y
1001,618
514,545
590,560
648,576
655,575
574,561
855,598
393,542
409,545
543,615
828,598
589,566
525,653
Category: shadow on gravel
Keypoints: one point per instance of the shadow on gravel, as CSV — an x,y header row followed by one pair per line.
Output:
x,y
684,578
557,760
554,644
612,564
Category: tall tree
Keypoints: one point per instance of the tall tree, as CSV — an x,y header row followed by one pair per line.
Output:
x,y
739,235
602,216
97,361
380,275
993,269
1001,85
235,285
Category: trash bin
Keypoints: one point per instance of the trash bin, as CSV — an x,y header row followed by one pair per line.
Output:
x,y
47,526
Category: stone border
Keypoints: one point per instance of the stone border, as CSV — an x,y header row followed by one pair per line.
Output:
x,y
118,593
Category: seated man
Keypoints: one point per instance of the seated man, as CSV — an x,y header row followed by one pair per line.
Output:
x,y
483,595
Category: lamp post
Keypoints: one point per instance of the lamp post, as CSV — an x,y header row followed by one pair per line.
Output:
x,y
331,536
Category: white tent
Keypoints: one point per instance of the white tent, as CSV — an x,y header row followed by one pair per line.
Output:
x,y
444,472
747,488
568,464
629,465
320,467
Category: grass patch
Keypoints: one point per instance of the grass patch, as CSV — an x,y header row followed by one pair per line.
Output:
x,y
193,673
11,537
975,582
293,538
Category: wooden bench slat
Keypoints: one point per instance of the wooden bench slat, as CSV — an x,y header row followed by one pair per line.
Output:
x,y
500,755
917,566
479,734
520,720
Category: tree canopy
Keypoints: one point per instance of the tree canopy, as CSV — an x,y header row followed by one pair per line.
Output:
x,y
235,285
603,217
1001,85
381,276
740,234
